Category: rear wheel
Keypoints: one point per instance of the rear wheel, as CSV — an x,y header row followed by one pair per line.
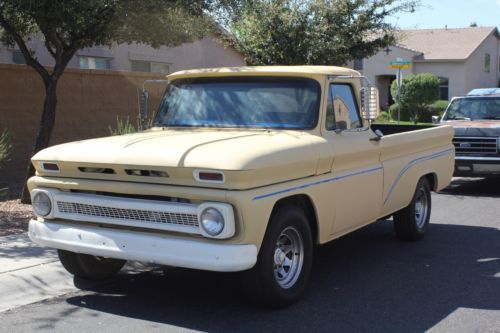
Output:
x,y
284,263
411,222
89,267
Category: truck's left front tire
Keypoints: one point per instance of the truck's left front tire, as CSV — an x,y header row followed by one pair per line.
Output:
x,y
284,262
89,267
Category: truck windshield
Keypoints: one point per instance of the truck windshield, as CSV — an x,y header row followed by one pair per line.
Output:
x,y
476,108
260,102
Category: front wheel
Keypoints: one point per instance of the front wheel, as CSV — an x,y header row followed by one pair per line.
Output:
x,y
284,263
411,222
89,267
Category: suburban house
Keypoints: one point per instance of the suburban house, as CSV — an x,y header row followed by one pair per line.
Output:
x,y
206,52
463,59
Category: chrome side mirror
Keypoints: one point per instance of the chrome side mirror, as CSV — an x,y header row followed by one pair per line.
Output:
x,y
369,103
436,119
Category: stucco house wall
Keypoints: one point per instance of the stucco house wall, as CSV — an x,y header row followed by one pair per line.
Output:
x,y
455,72
455,54
207,52
379,63
476,75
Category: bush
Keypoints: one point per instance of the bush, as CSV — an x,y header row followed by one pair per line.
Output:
x,y
417,91
384,117
425,113
393,112
437,108
123,127
4,145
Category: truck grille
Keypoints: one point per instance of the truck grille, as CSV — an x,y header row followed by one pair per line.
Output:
x,y
475,145
128,214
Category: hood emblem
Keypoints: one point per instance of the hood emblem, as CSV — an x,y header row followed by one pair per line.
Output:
x,y
465,145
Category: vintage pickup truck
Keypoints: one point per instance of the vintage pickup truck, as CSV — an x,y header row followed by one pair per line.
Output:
x,y
476,121
244,169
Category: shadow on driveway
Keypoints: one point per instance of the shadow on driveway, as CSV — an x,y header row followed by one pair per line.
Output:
x,y
366,281
474,187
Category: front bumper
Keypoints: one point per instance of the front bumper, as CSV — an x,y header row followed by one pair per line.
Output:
x,y
146,247
466,166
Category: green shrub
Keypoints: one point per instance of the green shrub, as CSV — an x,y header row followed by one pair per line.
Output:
x,y
416,92
384,117
425,112
393,112
5,146
123,127
437,108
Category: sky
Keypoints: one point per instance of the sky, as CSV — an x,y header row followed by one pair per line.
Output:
x,y
453,13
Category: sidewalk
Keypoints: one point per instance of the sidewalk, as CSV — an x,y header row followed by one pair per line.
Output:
x,y
29,273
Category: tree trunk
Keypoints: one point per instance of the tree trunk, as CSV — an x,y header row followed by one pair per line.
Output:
x,y
44,131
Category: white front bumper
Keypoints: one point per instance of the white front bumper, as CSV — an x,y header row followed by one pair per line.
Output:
x,y
146,247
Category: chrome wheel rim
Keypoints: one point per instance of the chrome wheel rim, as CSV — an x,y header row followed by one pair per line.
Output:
x,y
288,257
421,206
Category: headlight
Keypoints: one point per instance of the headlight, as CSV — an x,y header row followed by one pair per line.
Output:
x,y
41,204
212,221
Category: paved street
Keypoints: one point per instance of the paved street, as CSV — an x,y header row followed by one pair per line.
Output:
x,y
365,282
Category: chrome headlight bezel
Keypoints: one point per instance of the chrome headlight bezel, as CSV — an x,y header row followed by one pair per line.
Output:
x,y
38,194
227,214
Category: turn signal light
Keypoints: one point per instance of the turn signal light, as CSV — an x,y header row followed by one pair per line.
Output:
x,y
211,176
50,167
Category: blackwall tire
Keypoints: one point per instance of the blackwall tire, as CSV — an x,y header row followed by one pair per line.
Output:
x,y
411,222
89,267
284,263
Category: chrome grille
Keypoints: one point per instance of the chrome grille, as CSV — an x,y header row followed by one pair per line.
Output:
x,y
475,145
138,215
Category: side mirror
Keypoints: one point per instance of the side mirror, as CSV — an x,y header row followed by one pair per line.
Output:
x,y
369,103
144,104
436,119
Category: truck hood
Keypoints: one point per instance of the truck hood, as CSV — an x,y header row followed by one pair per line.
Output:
x,y
248,158
475,128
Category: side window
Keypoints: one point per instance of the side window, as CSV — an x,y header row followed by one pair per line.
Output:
x,y
342,111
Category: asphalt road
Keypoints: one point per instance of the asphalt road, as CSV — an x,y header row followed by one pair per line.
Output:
x,y
368,281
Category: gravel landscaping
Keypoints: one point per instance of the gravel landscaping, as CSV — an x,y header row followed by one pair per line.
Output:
x,y
14,217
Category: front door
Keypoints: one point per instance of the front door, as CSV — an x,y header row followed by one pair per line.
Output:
x,y
356,167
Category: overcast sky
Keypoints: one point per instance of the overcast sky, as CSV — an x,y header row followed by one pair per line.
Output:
x,y
454,13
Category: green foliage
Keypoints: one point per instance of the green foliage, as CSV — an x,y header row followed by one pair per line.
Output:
x,y
383,118
70,25
5,146
416,92
404,115
123,126
435,109
84,23
319,32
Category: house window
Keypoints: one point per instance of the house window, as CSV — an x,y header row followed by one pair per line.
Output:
x,y
148,66
358,64
443,88
18,58
94,63
487,62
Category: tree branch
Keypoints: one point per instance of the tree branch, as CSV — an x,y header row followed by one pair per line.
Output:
x,y
32,62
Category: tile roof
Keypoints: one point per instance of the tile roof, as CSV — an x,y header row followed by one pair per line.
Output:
x,y
444,44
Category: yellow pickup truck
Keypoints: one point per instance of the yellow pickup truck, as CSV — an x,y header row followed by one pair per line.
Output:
x,y
244,169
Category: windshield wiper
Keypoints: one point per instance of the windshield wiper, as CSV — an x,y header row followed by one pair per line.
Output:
x,y
490,118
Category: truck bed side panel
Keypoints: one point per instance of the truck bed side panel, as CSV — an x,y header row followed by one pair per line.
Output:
x,y
406,157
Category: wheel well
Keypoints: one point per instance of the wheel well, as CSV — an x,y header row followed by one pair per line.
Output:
x,y
305,203
432,178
